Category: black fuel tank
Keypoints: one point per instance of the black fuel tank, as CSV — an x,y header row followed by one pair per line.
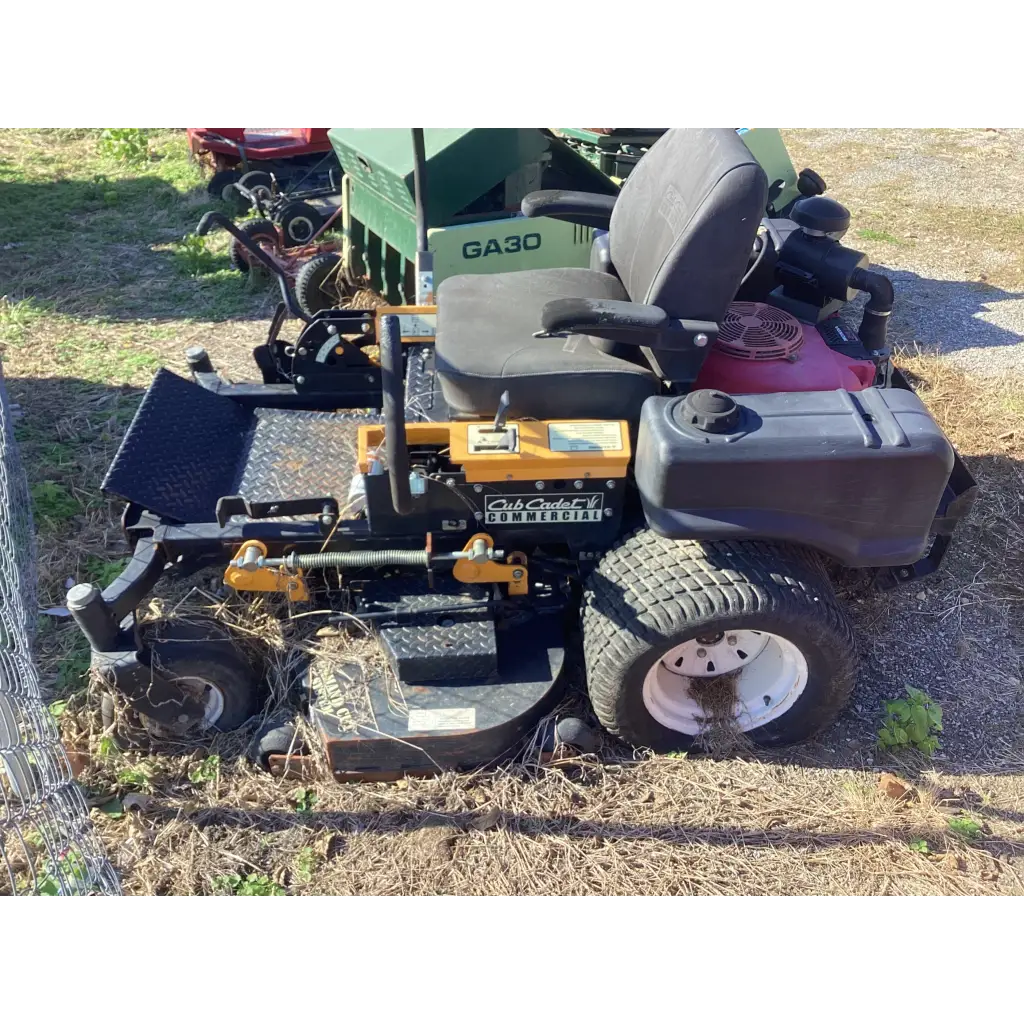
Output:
x,y
856,475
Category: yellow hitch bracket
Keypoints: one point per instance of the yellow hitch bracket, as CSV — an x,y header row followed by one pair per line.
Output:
x,y
245,573
485,569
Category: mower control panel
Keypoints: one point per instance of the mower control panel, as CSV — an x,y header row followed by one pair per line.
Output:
x,y
523,481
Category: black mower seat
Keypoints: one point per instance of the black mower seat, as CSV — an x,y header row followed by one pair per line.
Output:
x,y
485,345
680,235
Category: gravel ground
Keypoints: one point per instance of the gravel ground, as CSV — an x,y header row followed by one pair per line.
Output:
x,y
952,204
945,210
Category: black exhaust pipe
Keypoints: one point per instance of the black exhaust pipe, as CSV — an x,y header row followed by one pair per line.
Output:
x,y
875,323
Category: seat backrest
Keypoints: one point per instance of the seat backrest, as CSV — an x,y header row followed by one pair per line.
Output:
x,y
684,224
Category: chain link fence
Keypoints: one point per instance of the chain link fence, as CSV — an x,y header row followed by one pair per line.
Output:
x,y
47,844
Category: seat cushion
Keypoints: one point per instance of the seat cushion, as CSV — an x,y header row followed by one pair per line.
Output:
x,y
485,345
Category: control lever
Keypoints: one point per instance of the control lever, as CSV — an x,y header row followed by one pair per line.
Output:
x,y
507,439
502,414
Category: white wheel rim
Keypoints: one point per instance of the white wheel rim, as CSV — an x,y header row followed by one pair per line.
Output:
x,y
769,674
300,228
211,698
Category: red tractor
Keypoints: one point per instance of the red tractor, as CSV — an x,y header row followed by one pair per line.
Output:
x,y
257,156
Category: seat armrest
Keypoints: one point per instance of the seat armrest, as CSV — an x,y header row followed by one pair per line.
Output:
x,y
632,323
591,209
580,316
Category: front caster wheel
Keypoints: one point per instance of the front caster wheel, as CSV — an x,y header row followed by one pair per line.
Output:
x,y
684,638
278,737
198,657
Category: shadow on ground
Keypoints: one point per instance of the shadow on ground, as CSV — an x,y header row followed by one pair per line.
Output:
x,y
113,249
414,819
950,316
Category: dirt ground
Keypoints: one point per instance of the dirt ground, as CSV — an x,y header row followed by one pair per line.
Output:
x,y
100,288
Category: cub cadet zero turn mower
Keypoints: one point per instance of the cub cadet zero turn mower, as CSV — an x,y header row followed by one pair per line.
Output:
x,y
561,456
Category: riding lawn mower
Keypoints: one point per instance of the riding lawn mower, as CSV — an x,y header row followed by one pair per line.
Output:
x,y
662,463
251,155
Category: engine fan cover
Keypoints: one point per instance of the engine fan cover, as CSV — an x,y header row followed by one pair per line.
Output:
x,y
763,350
755,330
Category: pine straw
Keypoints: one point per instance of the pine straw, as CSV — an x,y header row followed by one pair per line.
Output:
x,y
620,822
986,423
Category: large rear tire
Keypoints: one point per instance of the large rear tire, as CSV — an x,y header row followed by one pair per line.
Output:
x,y
666,622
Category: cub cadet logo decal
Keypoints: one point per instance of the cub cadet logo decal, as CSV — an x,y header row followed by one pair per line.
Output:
x,y
492,247
507,509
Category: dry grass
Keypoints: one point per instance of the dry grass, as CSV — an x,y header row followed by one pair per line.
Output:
x,y
811,820
950,196
986,423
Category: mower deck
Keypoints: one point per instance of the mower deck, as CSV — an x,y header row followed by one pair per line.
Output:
x,y
489,682
456,682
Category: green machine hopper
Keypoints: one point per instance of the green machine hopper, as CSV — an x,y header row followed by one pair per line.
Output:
x,y
476,180
616,151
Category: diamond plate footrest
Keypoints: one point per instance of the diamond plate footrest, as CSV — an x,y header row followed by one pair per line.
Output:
x,y
431,640
187,447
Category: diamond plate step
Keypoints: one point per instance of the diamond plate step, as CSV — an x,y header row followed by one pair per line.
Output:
x,y
446,646
186,448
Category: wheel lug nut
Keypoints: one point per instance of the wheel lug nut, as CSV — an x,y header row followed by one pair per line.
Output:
x,y
731,641
701,653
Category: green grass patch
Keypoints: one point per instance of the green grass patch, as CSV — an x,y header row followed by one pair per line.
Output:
x,y
870,235
73,669
305,864
247,885
17,318
206,771
192,256
98,359
53,504
102,571
966,828
137,776
125,145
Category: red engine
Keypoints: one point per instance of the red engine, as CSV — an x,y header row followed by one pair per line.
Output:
x,y
764,350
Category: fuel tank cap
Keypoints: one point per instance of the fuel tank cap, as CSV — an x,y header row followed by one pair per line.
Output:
x,y
710,410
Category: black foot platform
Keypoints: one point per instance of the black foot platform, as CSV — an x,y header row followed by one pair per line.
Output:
x,y
188,447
